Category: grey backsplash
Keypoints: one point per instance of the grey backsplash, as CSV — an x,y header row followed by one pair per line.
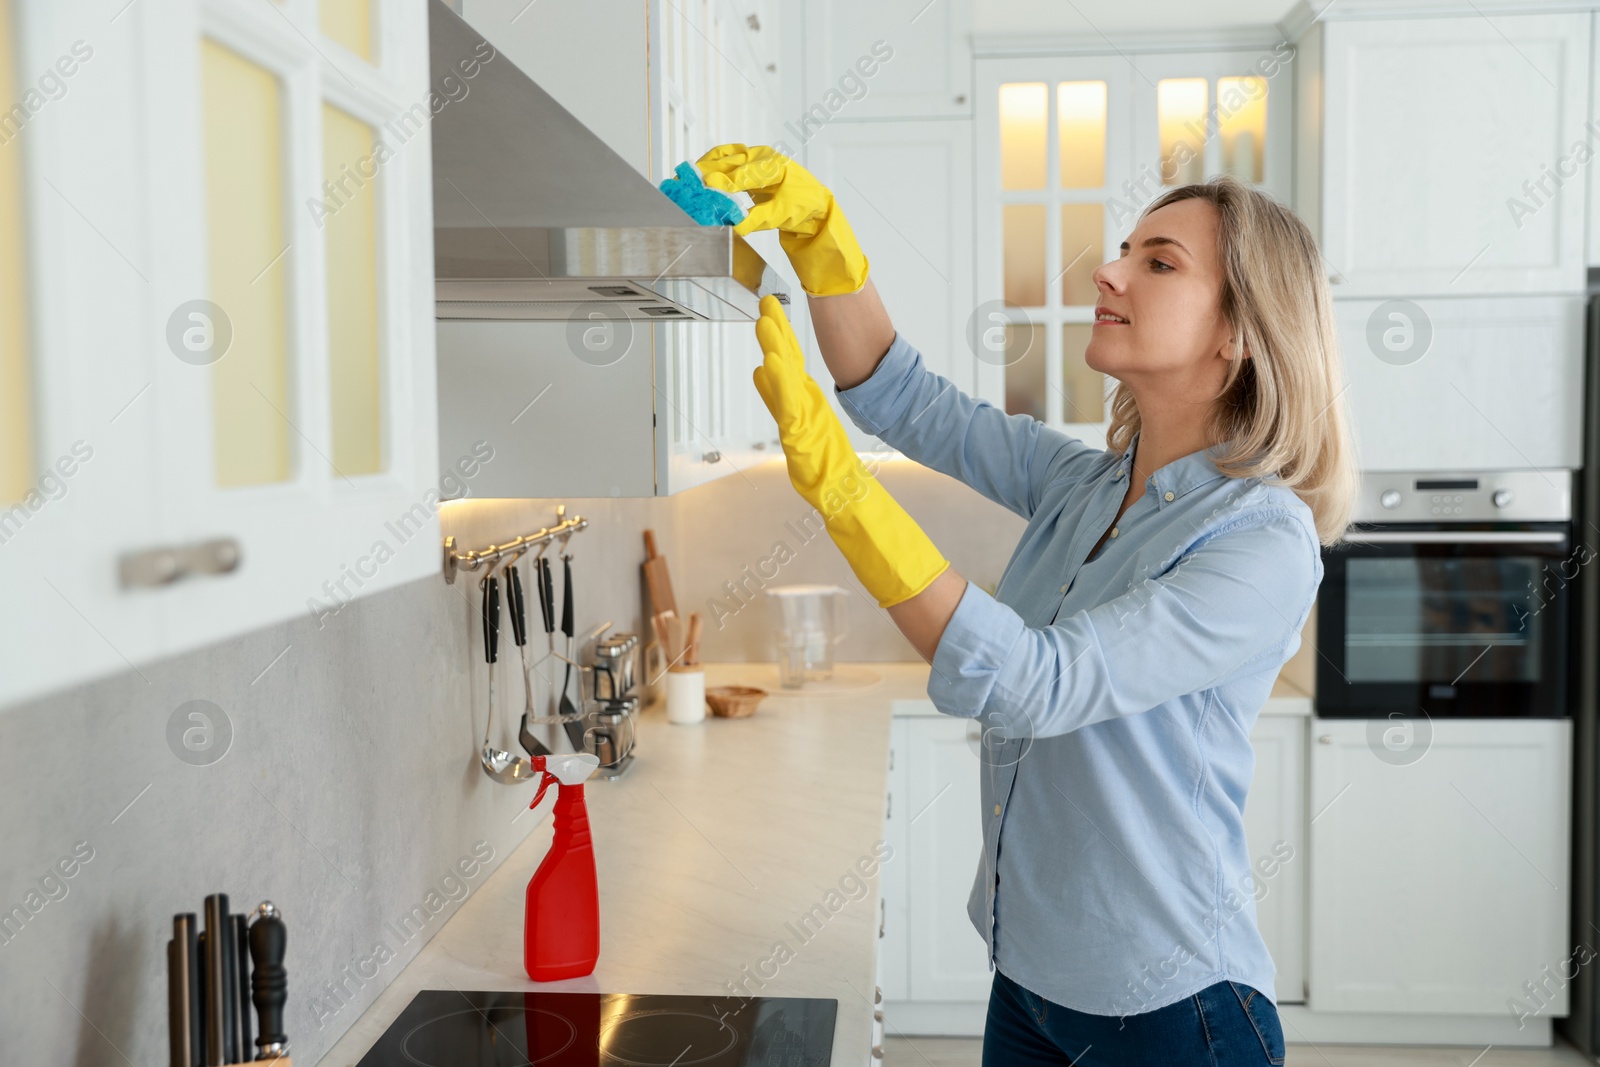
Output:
x,y
350,793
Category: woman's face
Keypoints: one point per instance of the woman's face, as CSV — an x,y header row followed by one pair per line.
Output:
x,y
1159,312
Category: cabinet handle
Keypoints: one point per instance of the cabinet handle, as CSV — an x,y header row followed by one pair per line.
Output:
x,y
877,994
883,914
888,806
1325,739
713,456
153,567
877,1052
877,1016
754,23
961,99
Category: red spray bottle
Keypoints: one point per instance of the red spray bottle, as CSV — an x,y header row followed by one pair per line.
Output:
x,y
561,929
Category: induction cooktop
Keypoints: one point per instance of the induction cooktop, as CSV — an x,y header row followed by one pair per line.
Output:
x,y
453,1028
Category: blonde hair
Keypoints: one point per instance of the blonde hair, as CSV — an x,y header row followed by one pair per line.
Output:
x,y
1282,411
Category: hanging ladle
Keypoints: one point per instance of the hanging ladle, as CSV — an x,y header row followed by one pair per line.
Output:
x,y
502,766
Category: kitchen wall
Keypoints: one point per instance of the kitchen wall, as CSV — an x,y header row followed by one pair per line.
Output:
x,y
340,779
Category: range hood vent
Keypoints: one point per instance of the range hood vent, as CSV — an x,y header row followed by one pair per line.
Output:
x,y
536,218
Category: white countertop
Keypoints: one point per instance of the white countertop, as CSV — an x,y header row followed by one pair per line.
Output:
x,y
709,851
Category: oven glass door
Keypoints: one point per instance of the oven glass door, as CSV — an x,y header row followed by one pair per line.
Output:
x,y
1455,621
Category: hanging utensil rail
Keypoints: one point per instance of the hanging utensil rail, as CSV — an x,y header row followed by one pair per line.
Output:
x,y
455,561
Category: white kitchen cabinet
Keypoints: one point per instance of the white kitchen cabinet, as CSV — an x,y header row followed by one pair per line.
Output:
x,y
291,416
1069,150
669,406
1438,885
895,944
1275,827
890,59
1433,135
907,189
1501,373
948,958
937,976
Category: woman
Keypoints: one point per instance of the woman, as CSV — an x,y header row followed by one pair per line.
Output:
x,y
1138,629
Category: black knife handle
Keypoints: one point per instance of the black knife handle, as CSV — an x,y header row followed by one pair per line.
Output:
x,y
270,981
547,595
515,607
214,965
566,597
241,955
491,619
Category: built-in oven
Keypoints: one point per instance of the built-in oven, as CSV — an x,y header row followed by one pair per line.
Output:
x,y
1453,595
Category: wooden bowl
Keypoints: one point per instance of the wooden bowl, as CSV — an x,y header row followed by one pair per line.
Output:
x,y
734,701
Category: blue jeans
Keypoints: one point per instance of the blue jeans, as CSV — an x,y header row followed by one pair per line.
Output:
x,y
1227,1024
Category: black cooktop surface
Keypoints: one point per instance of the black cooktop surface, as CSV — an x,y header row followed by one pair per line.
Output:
x,y
451,1028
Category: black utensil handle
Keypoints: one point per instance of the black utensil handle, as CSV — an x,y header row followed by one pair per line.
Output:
x,y
514,604
177,1007
547,594
213,963
270,982
186,933
230,990
491,619
241,956
566,596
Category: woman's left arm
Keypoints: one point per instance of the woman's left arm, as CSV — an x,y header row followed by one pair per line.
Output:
x,y
1246,590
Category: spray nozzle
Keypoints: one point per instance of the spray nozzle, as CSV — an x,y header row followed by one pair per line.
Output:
x,y
572,768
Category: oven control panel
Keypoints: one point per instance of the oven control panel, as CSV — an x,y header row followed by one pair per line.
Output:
x,y
1485,496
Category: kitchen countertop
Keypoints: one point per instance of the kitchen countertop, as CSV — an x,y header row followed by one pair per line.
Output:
x,y
709,850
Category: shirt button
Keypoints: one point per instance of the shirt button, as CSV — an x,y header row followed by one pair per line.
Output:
x,y
1113,531
1169,496
997,809
1063,589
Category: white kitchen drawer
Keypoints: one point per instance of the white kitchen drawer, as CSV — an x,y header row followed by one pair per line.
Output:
x,y
1499,387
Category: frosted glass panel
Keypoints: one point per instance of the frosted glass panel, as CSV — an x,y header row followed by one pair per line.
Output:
x,y
349,22
1081,124
351,235
1023,134
1082,250
1085,388
1242,124
16,407
1181,116
1025,370
1024,252
249,272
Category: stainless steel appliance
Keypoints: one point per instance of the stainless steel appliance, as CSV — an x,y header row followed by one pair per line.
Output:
x,y
1450,595
535,217
614,710
451,1027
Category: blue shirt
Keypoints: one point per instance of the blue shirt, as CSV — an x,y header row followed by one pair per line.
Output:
x,y
1116,696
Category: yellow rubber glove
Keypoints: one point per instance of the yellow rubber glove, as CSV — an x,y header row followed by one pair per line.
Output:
x,y
886,548
788,198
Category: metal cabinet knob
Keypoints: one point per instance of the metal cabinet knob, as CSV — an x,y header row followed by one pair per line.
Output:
x,y
877,994
713,456
877,1016
877,1052
1325,739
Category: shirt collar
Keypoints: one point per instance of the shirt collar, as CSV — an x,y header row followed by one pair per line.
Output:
x,y
1178,477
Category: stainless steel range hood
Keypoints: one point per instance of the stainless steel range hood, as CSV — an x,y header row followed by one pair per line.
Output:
x,y
534,216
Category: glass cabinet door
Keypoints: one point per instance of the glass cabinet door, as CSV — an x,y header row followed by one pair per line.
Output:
x,y
1070,151
1053,149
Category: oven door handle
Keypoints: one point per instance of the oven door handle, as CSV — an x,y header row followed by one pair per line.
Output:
x,y
1474,537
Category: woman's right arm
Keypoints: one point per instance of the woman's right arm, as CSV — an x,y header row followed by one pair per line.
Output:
x,y
1007,458
853,332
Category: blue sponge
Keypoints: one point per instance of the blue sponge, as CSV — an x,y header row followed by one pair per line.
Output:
x,y
708,207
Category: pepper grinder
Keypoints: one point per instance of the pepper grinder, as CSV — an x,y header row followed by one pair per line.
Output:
x,y
269,982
